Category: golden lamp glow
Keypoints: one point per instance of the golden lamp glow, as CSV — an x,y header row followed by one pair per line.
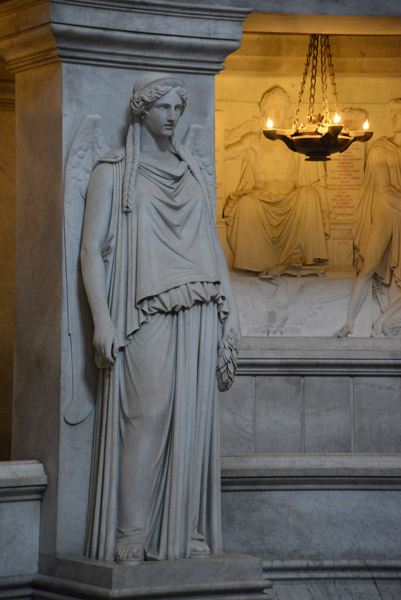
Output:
x,y
366,124
269,123
337,119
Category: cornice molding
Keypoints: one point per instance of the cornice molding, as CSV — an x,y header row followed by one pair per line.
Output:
x,y
319,356
131,34
26,38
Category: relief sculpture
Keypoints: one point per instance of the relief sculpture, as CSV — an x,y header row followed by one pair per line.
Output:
x,y
377,233
278,216
165,331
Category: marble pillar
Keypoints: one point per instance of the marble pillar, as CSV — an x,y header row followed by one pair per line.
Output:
x,y
69,60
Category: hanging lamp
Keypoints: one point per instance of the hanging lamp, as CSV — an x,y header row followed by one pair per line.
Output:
x,y
320,137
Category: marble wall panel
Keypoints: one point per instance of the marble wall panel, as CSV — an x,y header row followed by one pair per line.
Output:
x,y
377,403
310,524
237,417
344,589
19,547
328,414
278,418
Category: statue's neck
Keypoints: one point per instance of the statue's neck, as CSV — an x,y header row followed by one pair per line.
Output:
x,y
152,144
397,138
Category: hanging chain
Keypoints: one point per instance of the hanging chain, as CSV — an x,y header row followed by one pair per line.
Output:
x,y
323,61
312,93
303,82
332,76
326,67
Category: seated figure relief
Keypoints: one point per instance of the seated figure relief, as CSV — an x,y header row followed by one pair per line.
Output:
x,y
377,233
278,216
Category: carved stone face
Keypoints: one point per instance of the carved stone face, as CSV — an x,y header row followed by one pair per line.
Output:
x,y
276,110
164,115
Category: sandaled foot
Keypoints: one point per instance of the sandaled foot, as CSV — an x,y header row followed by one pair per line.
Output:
x,y
199,549
130,554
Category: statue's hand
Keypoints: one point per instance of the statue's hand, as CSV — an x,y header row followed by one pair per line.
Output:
x,y
105,342
232,326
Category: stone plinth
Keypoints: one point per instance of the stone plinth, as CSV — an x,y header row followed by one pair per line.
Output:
x,y
226,575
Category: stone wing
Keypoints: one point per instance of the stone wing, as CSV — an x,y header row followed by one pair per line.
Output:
x,y
87,147
309,299
198,141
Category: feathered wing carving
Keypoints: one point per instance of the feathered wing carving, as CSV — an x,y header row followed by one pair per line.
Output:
x,y
87,147
312,295
198,141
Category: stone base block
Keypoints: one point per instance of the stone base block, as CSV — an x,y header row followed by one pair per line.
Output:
x,y
222,576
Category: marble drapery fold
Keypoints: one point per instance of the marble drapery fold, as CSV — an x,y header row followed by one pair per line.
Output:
x,y
188,304
371,200
267,231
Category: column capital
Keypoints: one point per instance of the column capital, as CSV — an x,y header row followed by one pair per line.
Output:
x,y
132,34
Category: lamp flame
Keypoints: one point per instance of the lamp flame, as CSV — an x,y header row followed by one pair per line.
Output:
x,y
269,123
337,118
366,124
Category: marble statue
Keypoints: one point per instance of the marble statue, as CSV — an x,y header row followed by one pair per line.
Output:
x,y
165,320
278,216
377,230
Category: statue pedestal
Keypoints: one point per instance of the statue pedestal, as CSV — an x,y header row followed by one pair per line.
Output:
x,y
226,575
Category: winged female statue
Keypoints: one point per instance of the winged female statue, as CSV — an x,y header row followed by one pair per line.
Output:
x,y
165,320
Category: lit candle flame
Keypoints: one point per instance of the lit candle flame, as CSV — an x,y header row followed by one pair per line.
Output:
x,y
269,123
366,124
337,118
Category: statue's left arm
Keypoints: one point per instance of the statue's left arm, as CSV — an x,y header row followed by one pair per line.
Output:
x,y
232,321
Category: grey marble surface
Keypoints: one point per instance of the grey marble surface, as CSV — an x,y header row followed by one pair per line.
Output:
x,y
377,414
338,590
22,484
278,414
328,414
237,414
308,524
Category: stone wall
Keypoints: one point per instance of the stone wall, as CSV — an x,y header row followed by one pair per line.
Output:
x,y
7,255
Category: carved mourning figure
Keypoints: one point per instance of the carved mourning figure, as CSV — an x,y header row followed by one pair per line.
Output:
x,y
377,231
278,215
164,321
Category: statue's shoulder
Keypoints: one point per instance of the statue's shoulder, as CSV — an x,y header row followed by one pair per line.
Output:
x,y
379,149
112,156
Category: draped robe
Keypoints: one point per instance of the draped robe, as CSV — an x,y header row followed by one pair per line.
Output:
x,y
369,200
267,230
165,299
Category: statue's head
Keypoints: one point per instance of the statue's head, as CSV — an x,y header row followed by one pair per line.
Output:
x,y
394,107
274,104
152,86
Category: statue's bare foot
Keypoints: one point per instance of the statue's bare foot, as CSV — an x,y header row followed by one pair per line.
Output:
x,y
199,549
344,331
130,554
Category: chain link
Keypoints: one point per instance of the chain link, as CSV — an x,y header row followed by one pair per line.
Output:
x,y
312,93
326,67
332,76
303,82
323,60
